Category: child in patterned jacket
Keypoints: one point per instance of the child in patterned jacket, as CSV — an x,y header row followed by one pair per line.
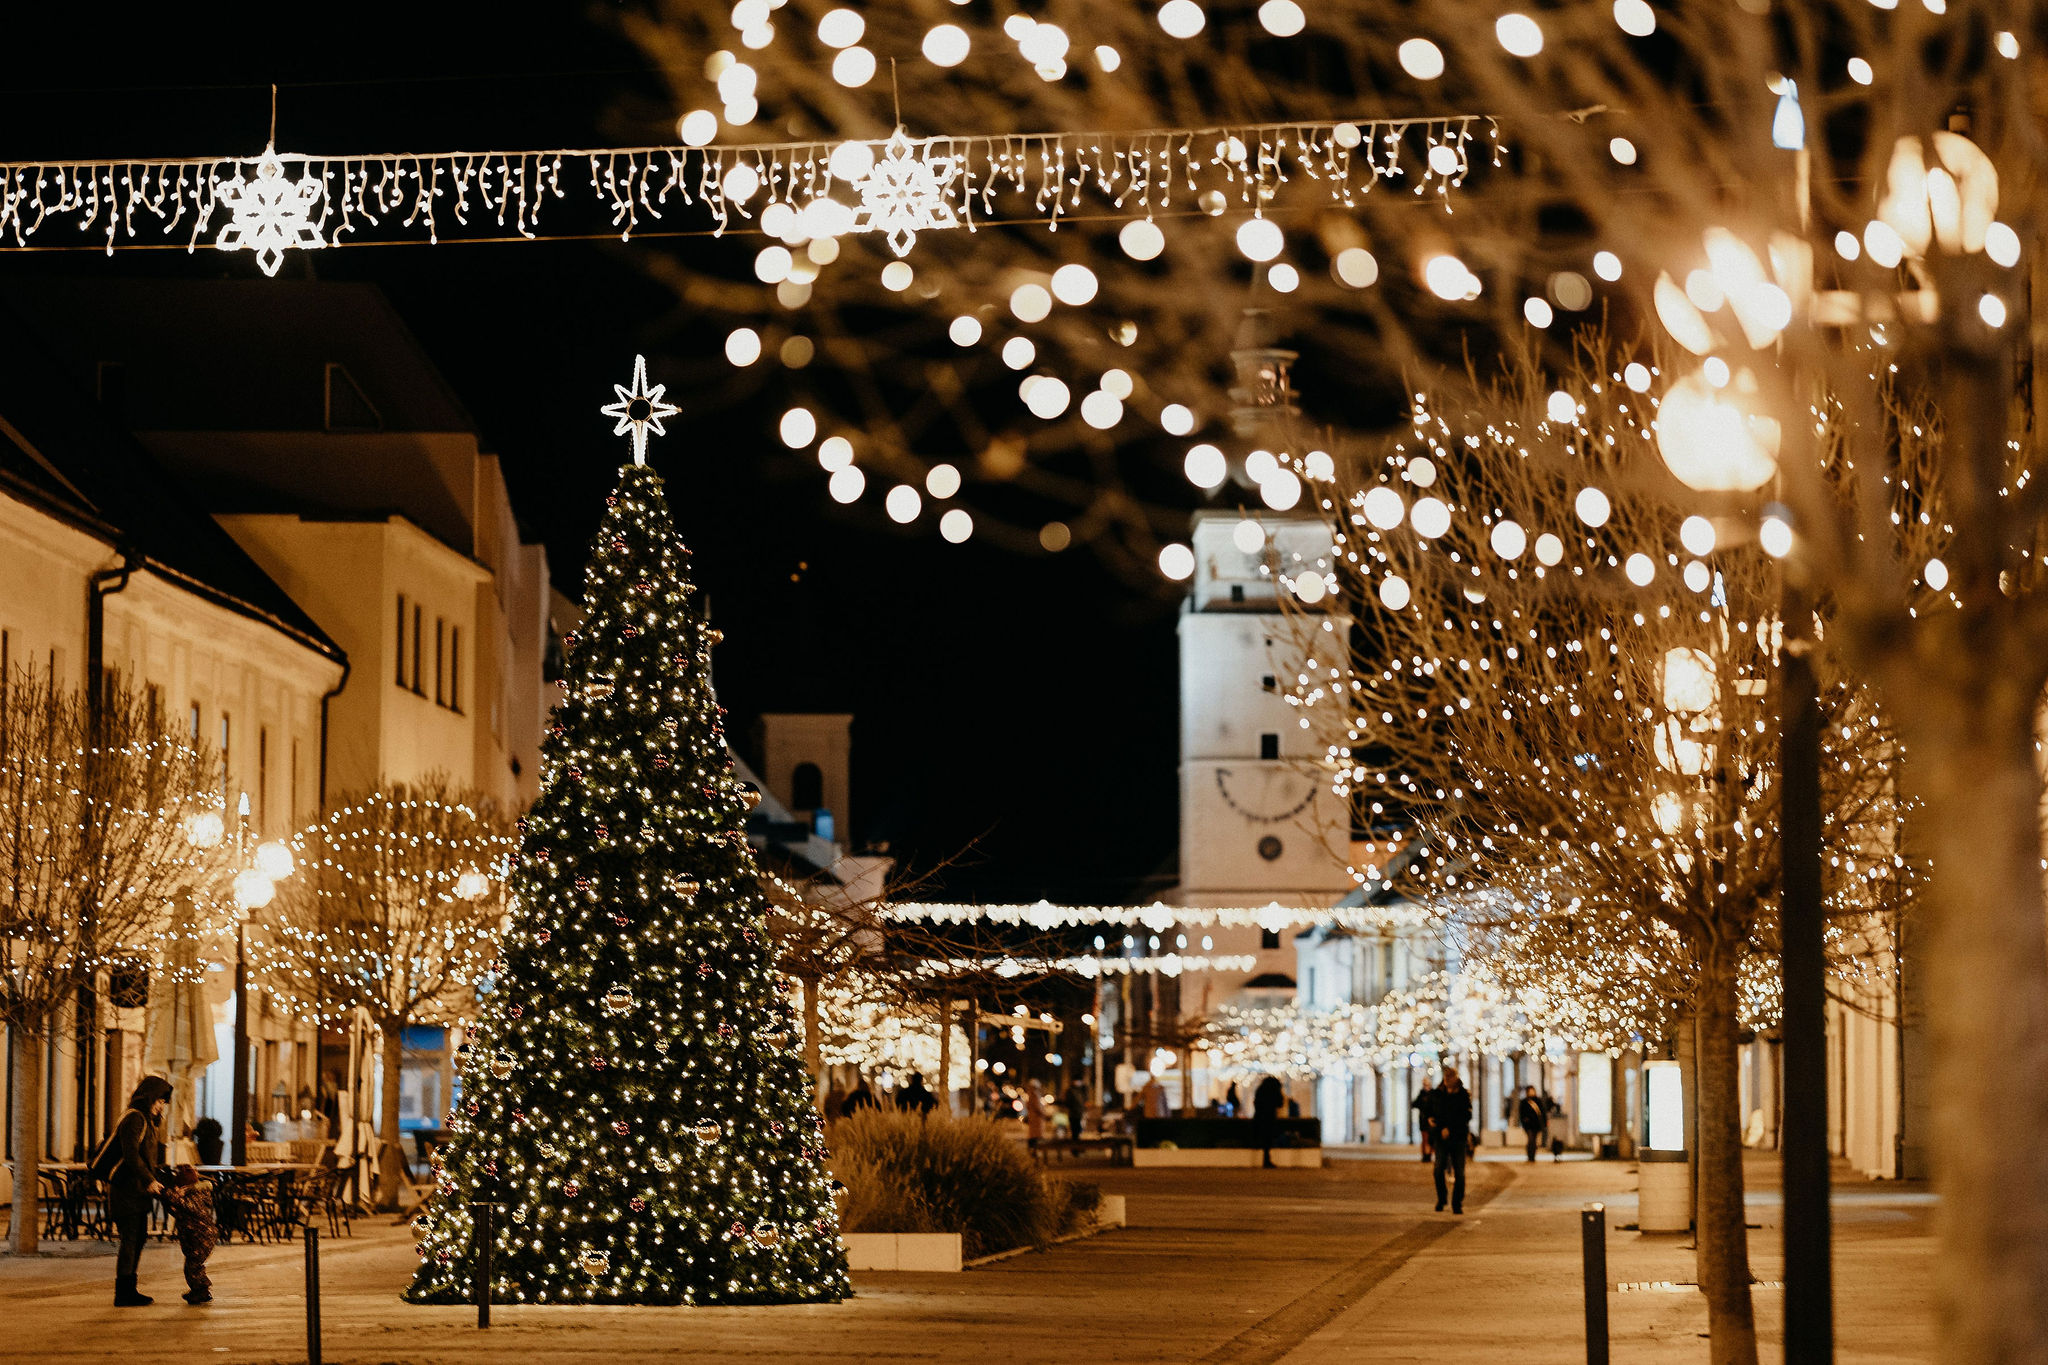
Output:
x,y
191,1203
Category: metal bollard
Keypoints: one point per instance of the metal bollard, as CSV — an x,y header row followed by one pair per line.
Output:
x,y
484,1239
312,1295
1593,1239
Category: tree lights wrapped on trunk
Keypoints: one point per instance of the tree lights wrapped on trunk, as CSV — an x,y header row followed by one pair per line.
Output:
x,y
645,1122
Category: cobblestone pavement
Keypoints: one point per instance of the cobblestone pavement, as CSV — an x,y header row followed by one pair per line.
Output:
x,y
1312,1267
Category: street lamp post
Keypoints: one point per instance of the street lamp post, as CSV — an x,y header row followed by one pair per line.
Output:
x,y
254,886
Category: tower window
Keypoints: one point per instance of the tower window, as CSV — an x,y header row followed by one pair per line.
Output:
x,y
1269,938
401,639
806,787
1269,746
1269,683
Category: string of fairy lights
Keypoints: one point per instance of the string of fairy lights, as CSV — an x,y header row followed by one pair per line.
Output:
x,y
804,194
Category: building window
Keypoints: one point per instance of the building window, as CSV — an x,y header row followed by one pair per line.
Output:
x,y
1269,683
401,639
195,722
419,619
292,810
348,407
806,787
1269,746
153,706
263,778
226,733
440,665
1269,938
455,669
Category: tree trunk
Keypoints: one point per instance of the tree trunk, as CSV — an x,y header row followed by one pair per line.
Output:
x,y
1722,1237
946,1052
813,1044
390,1151
27,1102
1985,946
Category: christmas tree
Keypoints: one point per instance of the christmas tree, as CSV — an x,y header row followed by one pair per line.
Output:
x,y
635,1102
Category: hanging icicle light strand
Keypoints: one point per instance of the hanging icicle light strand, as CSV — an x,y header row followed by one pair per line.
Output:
x,y
283,201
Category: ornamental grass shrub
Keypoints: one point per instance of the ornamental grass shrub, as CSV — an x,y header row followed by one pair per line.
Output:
x,y
908,1173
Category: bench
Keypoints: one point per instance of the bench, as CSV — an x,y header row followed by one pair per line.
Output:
x,y
1117,1145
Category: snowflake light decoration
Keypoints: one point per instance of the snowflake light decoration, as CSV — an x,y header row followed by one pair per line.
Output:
x,y
270,214
905,193
639,408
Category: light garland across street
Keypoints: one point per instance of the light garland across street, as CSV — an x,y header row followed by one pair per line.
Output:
x,y
900,186
1159,917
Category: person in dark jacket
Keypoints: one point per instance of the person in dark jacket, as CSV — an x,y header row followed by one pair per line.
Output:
x,y
915,1096
861,1098
1076,1105
1450,1118
211,1141
1424,1105
1266,1103
134,1154
1532,1116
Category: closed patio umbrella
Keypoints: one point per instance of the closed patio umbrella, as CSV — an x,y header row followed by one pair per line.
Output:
x,y
178,1038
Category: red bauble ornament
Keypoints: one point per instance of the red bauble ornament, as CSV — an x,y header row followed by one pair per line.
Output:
x,y
621,1127
597,1062
570,1189
542,936
637,1204
516,1011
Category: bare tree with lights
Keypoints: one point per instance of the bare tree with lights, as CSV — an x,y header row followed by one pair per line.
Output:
x,y
106,825
1576,709
1816,196
396,911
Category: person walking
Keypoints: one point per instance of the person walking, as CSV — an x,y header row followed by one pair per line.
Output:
x,y
128,1163
1424,1105
192,1210
1451,1120
1532,1116
1076,1105
1233,1107
914,1096
1034,1112
1266,1103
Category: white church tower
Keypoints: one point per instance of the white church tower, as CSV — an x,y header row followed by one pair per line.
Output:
x,y
1256,824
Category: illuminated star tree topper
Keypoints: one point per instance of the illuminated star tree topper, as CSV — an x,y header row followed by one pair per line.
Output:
x,y
639,409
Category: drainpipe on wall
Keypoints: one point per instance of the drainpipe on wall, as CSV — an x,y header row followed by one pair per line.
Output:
x,y
102,585
326,697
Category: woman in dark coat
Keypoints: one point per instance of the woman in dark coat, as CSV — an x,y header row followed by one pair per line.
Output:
x,y
133,1153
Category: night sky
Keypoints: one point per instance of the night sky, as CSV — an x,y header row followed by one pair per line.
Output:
x,y
1014,715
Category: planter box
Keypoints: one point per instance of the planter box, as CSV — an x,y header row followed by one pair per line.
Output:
x,y
1300,1157
937,1251
1110,1212
1212,1132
